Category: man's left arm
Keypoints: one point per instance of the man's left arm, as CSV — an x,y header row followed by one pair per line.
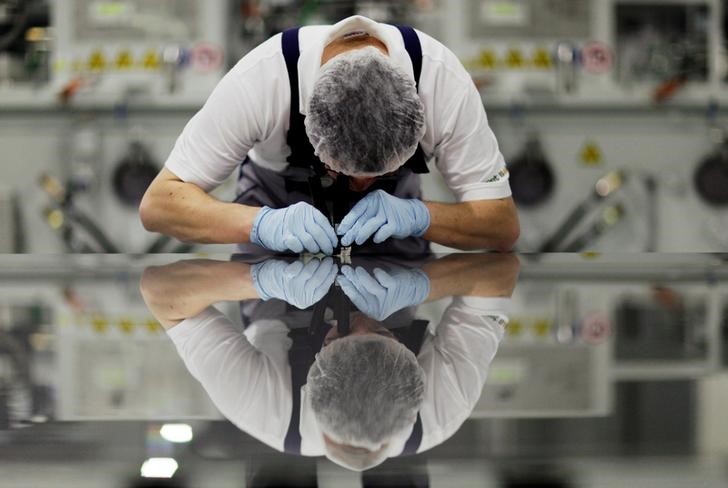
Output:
x,y
478,224
467,155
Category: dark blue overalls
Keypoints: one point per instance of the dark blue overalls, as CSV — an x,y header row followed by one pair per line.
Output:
x,y
305,179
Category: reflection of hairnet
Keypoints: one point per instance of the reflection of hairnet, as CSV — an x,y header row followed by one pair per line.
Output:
x,y
365,117
365,390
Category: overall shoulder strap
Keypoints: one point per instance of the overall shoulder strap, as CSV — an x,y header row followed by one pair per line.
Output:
x,y
300,357
413,46
291,53
302,152
414,49
413,342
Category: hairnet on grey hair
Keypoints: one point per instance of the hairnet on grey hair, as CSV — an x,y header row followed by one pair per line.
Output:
x,y
365,390
364,116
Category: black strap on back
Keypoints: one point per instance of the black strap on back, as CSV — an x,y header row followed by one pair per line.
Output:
x,y
302,152
414,49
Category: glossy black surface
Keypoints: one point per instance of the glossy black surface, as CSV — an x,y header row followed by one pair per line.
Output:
x,y
610,369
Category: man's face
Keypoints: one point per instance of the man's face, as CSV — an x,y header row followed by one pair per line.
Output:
x,y
356,183
360,325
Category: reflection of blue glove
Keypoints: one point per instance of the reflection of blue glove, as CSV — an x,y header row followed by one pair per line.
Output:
x,y
295,228
299,284
381,295
386,215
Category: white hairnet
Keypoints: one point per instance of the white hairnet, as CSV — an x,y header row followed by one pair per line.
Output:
x,y
365,390
364,117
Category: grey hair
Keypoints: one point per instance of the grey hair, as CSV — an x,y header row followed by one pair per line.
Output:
x,y
365,389
365,117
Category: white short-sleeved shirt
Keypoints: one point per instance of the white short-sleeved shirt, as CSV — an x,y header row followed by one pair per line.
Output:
x,y
248,113
248,376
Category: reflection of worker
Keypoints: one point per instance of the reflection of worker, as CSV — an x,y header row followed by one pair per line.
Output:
x,y
349,123
386,388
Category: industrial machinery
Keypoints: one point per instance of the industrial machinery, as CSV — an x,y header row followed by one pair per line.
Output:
x,y
24,41
168,51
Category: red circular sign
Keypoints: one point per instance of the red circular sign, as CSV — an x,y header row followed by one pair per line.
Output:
x,y
597,58
595,328
207,57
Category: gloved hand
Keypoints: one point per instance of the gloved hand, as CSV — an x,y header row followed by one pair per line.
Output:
x,y
299,284
295,228
381,295
385,216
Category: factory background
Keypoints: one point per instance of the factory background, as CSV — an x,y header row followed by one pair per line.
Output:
x,y
611,115
574,91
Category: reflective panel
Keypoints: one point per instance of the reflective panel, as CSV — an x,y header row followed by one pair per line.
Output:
x,y
442,370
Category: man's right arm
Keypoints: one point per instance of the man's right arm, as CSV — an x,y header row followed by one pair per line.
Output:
x,y
183,210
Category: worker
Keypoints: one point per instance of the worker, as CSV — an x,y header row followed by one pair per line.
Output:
x,y
330,128
391,385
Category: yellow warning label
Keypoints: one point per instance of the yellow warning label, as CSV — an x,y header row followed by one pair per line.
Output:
x,y
541,59
124,60
126,326
515,59
590,255
542,327
151,60
487,59
514,328
591,154
99,323
152,325
97,61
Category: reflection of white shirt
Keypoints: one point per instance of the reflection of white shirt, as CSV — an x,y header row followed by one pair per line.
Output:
x,y
247,375
248,113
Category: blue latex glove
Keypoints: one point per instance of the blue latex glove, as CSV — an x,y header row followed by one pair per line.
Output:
x,y
299,284
296,228
385,216
381,295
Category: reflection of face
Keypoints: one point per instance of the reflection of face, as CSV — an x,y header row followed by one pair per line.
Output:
x,y
360,325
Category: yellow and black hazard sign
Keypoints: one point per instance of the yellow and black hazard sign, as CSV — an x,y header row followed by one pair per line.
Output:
x,y
151,59
515,59
488,59
96,60
124,60
541,59
591,154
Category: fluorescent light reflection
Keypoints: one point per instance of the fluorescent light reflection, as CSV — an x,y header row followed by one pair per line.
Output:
x,y
176,433
159,468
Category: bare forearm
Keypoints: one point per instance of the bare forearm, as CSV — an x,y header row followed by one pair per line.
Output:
x,y
184,211
472,274
181,290
489,224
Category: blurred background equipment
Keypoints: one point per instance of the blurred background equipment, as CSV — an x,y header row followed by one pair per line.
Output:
x,y
24,41
573,90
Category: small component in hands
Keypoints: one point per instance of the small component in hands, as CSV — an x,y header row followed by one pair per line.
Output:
x,y
345,255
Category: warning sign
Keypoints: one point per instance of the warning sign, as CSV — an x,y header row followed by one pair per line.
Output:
x,y
124,60
151,59
97,61
597,58
487,59
541,59
515,59
591,154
